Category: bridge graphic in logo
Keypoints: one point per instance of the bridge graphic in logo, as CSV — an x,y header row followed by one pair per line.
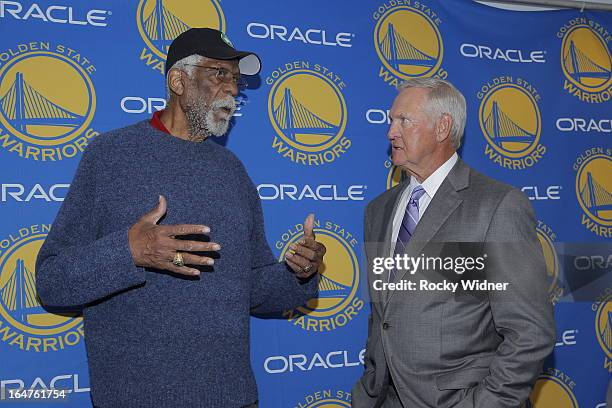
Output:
x,y
399,51
502,129
19,294
594,196
511,123
293,118
308,112
606,333
339,277
580,67
408,43
24,321
24,106
162,26
338,285
46,112
329,288
586,62
19,300
593,190
161,21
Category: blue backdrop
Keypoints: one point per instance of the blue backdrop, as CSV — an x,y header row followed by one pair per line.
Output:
x,y
311,132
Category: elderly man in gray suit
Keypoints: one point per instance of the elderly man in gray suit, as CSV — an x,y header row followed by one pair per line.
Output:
x,y
445,348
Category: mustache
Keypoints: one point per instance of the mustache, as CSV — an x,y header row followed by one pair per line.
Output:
x,y
227,103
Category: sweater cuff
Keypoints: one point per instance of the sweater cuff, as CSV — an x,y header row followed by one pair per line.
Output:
x,y
309,285
117,260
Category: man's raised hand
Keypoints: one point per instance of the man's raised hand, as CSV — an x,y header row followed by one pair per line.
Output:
x,y
155,246
307,254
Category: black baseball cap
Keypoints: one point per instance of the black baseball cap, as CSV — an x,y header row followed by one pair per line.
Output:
x,y
210,43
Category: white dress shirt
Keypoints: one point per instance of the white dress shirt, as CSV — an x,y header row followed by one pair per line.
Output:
x,y
430,185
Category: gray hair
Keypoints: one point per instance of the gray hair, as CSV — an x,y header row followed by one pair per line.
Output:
x,y
443,98
186,65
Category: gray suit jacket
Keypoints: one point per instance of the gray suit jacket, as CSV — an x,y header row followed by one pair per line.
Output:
x,y
459,350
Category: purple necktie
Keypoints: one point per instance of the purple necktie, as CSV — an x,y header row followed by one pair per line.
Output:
x,y
409,222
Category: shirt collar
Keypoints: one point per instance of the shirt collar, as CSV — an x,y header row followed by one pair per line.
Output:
x,y
157,123
434,181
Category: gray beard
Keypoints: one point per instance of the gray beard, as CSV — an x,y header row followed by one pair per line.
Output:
x,y
201,118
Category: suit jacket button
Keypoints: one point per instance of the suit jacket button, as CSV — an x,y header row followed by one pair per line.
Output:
x,y
386,325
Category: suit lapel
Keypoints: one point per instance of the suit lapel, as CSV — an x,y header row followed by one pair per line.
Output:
x,y
439,209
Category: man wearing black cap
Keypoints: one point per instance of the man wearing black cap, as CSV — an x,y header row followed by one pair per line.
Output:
x,y
208,59
159,332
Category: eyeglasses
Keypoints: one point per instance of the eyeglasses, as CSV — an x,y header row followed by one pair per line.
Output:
x,y
223,75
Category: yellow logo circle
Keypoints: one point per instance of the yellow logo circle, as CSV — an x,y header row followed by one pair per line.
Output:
x,y
603,325
550,392
19,304
408,43
585,59
510,120
339,275
551,259
161,21
307,110
308,113
594,188
337,302
326,399
395,175
41,111
330,403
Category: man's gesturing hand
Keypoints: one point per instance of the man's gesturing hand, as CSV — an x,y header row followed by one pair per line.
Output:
x,y
155,246
307,253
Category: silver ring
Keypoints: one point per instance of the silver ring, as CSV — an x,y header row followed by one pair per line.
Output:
x,y
308,268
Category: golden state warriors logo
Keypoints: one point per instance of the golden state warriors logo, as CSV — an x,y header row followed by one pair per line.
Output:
x,y
594,190
511,123
603,327
161,21
553,389
408,43
326,399
586,61
395,175
547,237
337,303
308,113
23,322
47,101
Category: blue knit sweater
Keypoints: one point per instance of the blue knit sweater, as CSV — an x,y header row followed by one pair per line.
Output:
x,y
155,339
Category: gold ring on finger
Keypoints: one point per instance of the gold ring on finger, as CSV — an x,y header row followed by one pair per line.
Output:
x,y
178,259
